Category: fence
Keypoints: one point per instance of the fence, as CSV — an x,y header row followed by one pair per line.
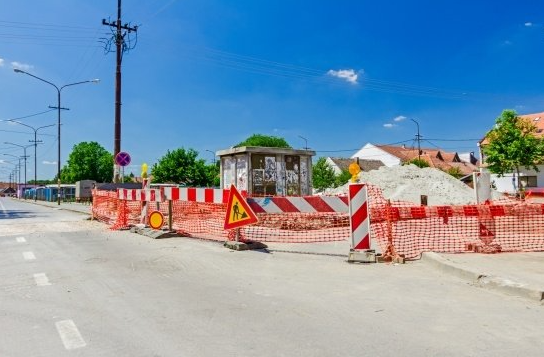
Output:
x,y
508,226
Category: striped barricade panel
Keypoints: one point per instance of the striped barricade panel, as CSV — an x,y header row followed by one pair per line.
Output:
x,y
358,216
148,195
305,204
193,194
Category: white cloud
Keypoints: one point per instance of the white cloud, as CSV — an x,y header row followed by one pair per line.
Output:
x,y
22,66
507,43
49,162
388,125
399,118
348,75
528,24
1,62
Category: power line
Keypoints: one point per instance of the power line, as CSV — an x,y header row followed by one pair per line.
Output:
x,y
359,149
28,116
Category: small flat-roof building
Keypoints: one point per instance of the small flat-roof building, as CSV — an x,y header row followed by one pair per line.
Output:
x,y
264,171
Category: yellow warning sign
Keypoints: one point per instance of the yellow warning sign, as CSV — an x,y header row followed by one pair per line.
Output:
x,y
239,213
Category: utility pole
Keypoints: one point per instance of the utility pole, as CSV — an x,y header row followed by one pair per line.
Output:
x,y
418,138
122,44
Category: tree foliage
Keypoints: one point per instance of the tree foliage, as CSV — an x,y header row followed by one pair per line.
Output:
x,y
88,161
455,172
512,145
181,166
419,163
265,141
342,178
323,175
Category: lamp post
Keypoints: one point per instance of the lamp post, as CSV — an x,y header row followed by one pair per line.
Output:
x,y
418,138
305,142
59,90
19,159
19,166
24,151
213,155
35,151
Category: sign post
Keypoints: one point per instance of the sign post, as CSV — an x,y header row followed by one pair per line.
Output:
x,y
239,214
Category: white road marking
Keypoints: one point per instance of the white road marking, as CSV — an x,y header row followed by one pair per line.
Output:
x,y
29,256
21,240
41,279
69,334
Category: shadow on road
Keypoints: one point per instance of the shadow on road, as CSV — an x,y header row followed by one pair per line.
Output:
x,y
17,214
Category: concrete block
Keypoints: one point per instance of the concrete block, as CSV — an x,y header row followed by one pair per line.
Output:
x,y
363,256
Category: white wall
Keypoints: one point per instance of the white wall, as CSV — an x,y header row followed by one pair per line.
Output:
x,y
371,152
505,183
331,163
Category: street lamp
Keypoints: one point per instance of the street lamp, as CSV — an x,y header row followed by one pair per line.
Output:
x,y
213,156
305,142
19,170
19,159
59,89
24,150
35,151
13,173
418,138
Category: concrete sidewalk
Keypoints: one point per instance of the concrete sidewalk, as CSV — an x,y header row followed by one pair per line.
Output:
x,y
519,274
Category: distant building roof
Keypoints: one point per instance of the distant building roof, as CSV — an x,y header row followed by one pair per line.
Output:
x,y
365,165
434,157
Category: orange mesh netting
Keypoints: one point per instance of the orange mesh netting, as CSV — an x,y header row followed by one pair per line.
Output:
x,y
504,225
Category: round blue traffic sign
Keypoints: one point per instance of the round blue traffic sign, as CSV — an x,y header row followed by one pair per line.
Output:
x,y
122,158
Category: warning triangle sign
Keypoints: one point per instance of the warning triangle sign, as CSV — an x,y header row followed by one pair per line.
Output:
x,y
238,211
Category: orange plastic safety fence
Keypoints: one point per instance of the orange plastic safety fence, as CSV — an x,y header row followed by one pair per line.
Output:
x,y
513,227
503,225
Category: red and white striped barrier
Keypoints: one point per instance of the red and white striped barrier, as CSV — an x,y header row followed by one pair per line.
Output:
x,y
359,220
306,204
146,195
205,195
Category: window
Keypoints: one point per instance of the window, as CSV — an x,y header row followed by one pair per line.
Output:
x,y
528,181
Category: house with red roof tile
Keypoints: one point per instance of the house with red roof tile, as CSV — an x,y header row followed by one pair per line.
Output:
x,y
392,155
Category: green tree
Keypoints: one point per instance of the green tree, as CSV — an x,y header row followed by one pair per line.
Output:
x,y
342,178
512,144
323,175
88,161
418,162
455,172
182,167
213,173
265,141
129,178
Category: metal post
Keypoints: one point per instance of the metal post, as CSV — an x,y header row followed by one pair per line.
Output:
x,y
418,138
170,215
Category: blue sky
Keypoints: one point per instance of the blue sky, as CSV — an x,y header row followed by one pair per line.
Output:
x,y
206,74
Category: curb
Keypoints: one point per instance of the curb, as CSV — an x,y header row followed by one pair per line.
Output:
x,y
39,203
483,280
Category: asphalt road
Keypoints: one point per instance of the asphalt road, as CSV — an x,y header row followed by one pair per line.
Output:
x,y
71,287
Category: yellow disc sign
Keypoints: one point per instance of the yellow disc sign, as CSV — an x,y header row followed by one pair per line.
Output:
x,y
156,220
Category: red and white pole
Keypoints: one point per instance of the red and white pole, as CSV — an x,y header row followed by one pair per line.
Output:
x,y
359,219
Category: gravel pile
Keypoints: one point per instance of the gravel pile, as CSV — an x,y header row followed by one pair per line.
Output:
x,y
409,182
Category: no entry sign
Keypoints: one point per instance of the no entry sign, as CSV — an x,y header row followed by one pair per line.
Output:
x,y
122,158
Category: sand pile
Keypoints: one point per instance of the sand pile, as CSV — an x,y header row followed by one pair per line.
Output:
x,y
409,182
